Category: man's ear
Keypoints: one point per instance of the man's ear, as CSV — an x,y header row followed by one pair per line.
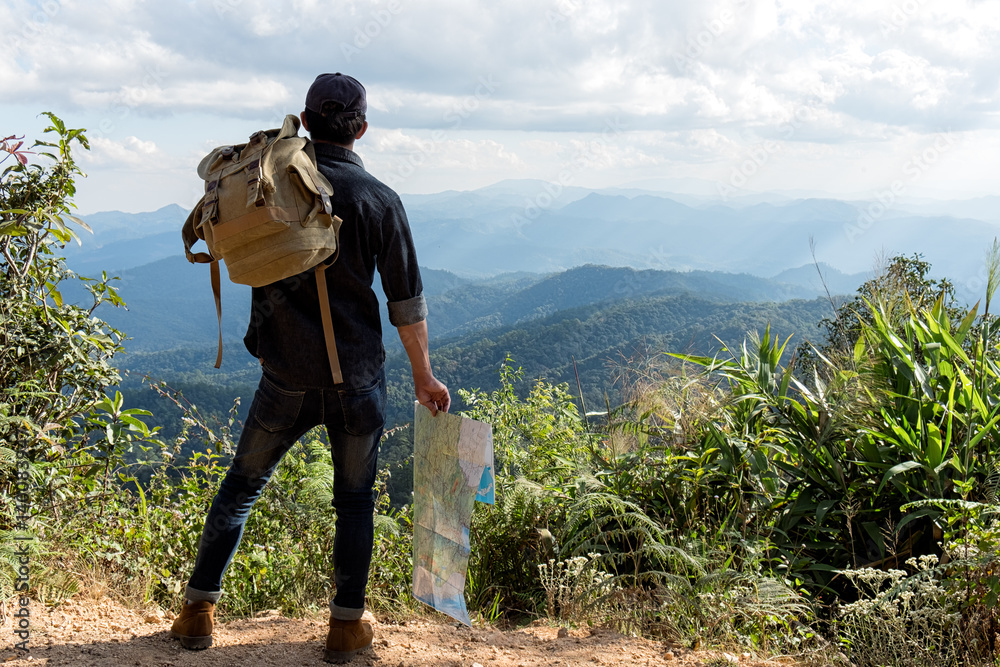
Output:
x,y
361,132
302,117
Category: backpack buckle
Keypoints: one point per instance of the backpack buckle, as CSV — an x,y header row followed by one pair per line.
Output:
x,y
258,137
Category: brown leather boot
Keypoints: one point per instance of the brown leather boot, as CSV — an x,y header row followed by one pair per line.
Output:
x,y
194,625
347,638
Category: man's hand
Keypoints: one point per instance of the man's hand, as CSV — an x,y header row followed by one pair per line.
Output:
x,y
430,392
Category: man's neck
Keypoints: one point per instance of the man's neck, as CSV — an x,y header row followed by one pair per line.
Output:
x,y
349,146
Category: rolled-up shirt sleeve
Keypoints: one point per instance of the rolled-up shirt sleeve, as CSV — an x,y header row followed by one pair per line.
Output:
x,y
398,269
411,311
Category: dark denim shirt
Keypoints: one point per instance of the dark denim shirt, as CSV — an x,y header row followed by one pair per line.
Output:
x,y
286,332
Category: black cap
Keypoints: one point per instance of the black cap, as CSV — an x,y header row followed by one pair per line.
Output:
x,y
341,89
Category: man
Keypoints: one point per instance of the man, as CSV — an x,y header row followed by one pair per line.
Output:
x,y
297,390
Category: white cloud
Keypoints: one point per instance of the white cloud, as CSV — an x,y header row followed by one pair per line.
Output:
x,y
696,82
242,56
131,152
396,155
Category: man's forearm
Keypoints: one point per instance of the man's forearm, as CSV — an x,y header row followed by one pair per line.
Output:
x,y
429,390
414,339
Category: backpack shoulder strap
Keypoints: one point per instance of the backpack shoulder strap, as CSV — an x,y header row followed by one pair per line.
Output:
x,y
217,291
324,310
190,235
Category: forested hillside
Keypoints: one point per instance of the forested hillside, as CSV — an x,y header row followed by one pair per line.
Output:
x,y
170,302
598,316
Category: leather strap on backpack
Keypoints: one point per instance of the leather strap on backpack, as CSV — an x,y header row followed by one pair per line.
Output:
x,y
324,310
217,291
190,236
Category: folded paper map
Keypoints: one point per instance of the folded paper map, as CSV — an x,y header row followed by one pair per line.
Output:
x,y
452,469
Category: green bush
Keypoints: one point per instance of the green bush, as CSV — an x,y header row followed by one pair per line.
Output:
x,y
54,356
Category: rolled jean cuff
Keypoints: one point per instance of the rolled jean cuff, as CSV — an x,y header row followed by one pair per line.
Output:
x,y
346,613
194,595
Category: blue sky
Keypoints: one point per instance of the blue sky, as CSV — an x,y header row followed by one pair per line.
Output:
x,y
842,97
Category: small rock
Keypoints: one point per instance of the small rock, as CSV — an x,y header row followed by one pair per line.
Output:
x,y
476,664
267,613
563,633
731,659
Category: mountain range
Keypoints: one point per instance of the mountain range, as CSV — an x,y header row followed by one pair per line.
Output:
x,y
520,226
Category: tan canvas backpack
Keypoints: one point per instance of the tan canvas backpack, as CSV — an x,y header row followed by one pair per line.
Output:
x,y
267,213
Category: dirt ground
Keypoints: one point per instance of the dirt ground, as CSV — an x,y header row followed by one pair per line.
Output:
x,y
87,633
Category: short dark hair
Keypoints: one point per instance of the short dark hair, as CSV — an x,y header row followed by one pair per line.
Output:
x,y
333,125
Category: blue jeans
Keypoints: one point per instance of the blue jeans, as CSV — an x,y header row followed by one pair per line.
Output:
x,y
278,417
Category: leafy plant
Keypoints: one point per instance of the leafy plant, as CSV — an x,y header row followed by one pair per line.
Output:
x,y
54,356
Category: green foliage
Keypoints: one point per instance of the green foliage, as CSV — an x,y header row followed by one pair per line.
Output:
x,y
860,464
531,438
534,441
909,415
583,532
903,286
54,357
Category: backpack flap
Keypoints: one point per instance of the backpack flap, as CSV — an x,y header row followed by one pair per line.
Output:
x,y
307,179
289,127
317,182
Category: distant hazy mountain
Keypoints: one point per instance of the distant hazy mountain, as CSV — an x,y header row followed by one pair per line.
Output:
x,y
124,240
980,208
822,278
552,275
650,231
541,228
